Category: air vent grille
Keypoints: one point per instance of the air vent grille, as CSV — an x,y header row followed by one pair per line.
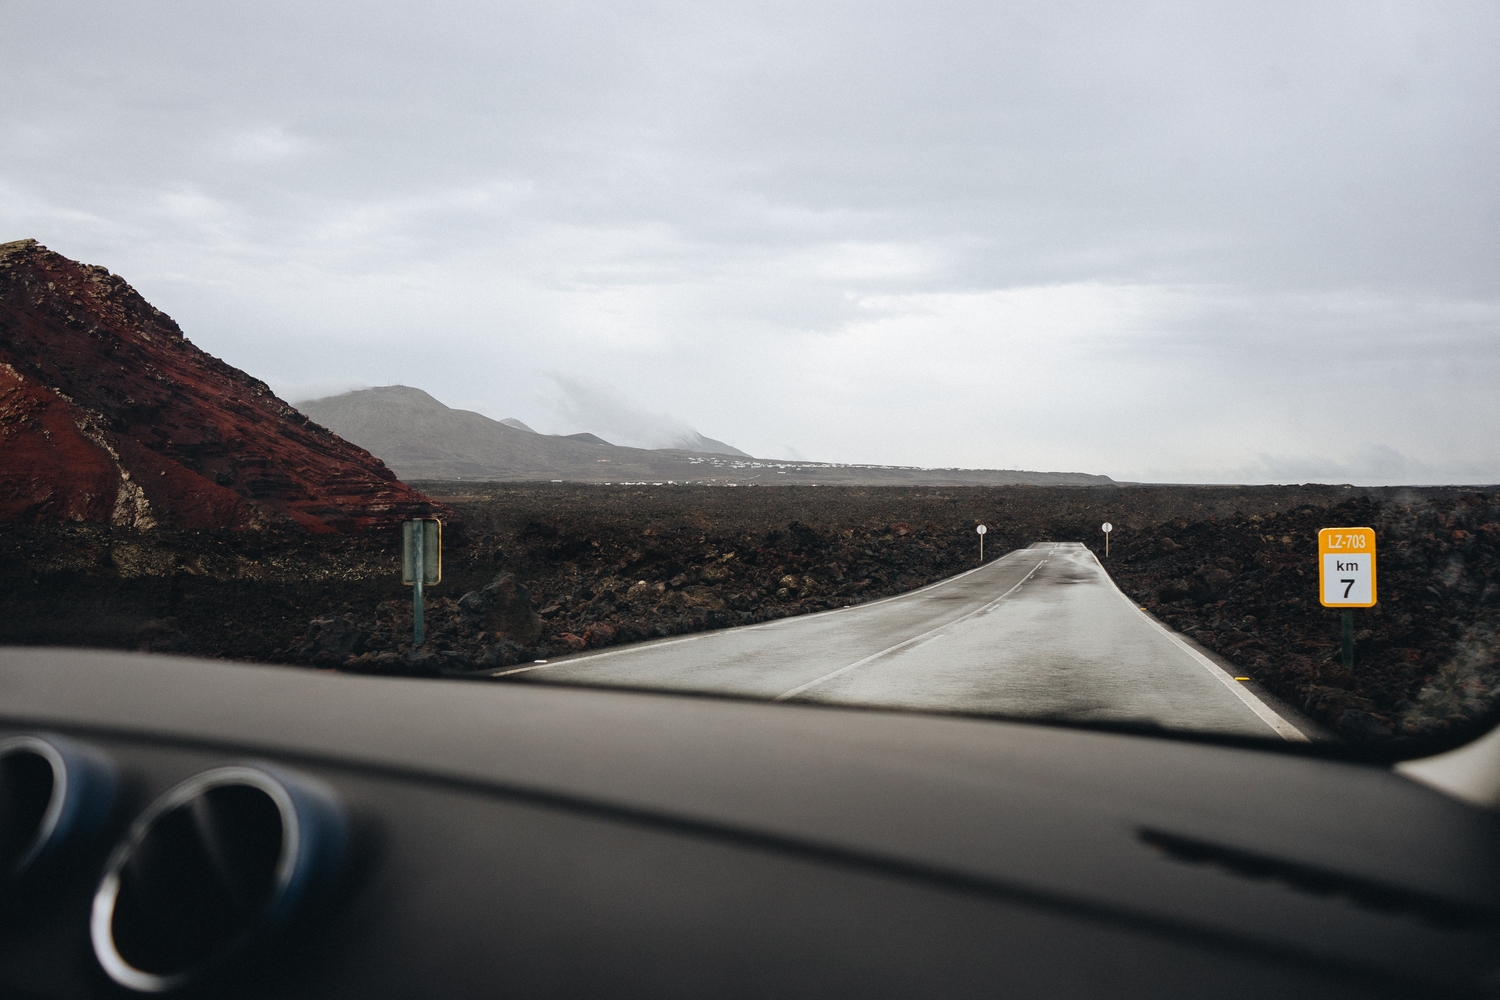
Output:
x,y
213,865
198,880
53,792
26,787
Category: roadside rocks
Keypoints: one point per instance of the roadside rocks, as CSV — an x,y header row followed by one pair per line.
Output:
x,y
163,635
1209,582
424,662
485,629
1243,585
533,571
503,608
500,654
1174,590
1360,725
644,590
331,641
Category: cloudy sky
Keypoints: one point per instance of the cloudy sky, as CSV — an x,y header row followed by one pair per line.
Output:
x,y
1171,242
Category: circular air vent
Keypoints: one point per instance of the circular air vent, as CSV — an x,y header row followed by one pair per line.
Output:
x,y
52,792
216,863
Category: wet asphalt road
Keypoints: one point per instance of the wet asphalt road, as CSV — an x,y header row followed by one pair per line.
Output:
x,y
1040,632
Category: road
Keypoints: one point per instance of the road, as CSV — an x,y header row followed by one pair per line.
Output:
x,y
1040,632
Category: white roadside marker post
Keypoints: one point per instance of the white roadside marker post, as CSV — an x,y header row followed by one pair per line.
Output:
x,y
981,529
1107,528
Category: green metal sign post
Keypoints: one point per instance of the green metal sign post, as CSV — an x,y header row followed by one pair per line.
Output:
x,y
421,565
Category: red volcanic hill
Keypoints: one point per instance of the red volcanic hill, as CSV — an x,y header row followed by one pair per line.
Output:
x,y
109,414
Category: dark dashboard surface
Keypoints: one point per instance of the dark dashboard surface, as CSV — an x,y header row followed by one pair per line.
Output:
x,y
507,839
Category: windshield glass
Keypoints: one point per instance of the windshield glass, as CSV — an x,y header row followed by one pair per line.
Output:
x,y
1090,366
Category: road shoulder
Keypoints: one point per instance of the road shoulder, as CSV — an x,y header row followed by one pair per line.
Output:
x,y
1312,730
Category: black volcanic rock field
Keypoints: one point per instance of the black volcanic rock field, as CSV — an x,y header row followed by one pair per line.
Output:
x,y
539,570
1425,657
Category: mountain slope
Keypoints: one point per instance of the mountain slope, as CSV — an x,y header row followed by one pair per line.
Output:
x,y
109,414
421,438
708,446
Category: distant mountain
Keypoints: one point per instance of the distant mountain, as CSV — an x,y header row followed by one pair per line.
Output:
x,y
420,438
694,442
423,439
109,414
707,446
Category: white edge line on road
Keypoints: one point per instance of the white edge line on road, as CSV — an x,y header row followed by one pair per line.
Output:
x,y
907,642
632,648
1283,728
637,647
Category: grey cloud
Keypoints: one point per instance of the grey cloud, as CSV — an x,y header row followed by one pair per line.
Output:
x,y
1285,144
692,202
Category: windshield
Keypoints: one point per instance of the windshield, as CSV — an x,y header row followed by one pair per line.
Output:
x,y
1097,367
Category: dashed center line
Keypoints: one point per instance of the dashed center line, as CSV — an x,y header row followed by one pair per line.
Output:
x,y
929,634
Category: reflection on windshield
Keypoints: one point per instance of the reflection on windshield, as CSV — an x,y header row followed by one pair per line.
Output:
x,y
563,573
1194,244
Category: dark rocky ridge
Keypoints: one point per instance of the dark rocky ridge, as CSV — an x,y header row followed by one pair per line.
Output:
x,y
109,414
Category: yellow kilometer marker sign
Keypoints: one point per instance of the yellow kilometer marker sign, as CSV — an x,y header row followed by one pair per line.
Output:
x,y
1346,567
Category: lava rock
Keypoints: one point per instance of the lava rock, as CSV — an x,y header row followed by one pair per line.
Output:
x,y
337,637
384,662
501,654
1173,590
1209,583
424,662
457,661
475,605
599,634
503,608
162,635
1362,725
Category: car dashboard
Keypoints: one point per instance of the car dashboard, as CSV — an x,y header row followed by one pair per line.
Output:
x,y
193,828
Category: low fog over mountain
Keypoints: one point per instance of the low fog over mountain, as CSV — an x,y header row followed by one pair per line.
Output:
x,y
601,407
